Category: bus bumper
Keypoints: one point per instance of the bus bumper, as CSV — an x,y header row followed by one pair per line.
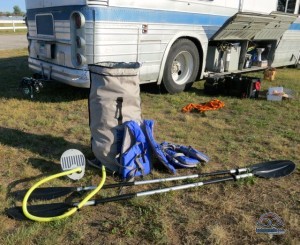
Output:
x,y
74,77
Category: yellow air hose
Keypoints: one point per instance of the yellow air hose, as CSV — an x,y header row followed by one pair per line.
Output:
x,y
72,210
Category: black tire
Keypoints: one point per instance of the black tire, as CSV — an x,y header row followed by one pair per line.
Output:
x,y
181,67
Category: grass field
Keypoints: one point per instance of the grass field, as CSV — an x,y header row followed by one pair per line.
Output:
x,y
34,134
11,32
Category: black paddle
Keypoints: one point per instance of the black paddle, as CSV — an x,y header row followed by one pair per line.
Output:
x,y
276,170
49,193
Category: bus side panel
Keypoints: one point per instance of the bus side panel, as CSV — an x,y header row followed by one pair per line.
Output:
x,y
128,34
259,6
288,49
127,43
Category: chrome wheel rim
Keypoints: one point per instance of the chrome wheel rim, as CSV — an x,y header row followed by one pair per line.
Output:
x,y
182,67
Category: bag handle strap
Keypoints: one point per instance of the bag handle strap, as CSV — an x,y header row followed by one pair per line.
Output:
x,y
119,114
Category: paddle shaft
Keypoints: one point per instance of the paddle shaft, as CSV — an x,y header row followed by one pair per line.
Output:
x,y
164,190
176,178
54,190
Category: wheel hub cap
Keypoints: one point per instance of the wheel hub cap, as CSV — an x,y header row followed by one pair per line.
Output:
x,y
182,67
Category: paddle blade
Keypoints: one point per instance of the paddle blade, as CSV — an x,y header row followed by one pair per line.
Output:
x,y
264,164
42,210
274,169
47,193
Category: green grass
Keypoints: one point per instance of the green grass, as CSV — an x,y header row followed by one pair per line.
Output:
x,y
11,32
34,134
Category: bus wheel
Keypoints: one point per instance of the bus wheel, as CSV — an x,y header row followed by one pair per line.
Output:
x,y
181,67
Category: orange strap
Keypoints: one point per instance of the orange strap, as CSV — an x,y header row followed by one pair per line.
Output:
x,y
208,106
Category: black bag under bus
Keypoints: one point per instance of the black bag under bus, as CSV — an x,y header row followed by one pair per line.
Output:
x,y
242,86
214,85
233,85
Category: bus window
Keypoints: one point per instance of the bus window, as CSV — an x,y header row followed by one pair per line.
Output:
x,y
287,6
281,5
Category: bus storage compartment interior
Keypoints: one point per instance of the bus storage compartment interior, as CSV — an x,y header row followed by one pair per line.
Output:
x,y
223,56
243,56
247,41
258,54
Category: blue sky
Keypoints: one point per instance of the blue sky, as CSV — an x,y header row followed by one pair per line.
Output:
x,y
7,5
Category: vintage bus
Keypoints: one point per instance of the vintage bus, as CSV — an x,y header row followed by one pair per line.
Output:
x,y
176,41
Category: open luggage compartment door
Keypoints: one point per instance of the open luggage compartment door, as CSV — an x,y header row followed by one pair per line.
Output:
x,y
252,26
275,29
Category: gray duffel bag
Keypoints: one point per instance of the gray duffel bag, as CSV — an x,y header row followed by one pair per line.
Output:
x,y
114,98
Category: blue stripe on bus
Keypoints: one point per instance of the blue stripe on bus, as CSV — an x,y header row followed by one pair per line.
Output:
x,y
158,16
131,15
295,27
